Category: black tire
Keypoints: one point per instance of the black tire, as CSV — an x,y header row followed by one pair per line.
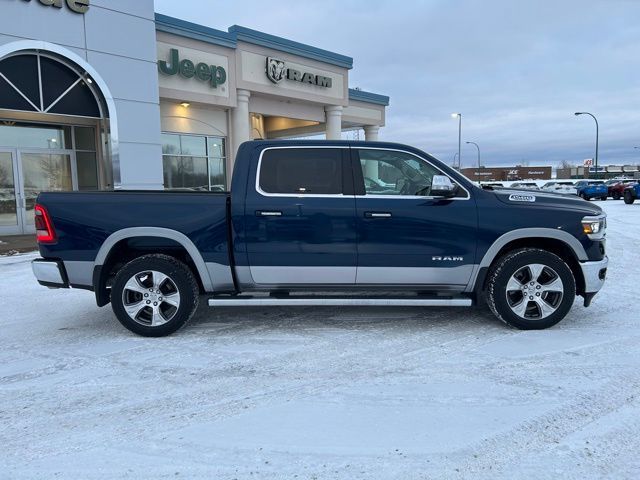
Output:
x,y
180,281
629,197
616,195
583,196
603,198
513,262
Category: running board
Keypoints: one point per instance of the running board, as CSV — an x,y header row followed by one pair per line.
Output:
x,y
285,301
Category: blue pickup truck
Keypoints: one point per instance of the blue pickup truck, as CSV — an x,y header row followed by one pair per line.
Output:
x,y
324,223
588,189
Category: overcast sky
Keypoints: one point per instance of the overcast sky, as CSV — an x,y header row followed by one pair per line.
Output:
x,y
516,69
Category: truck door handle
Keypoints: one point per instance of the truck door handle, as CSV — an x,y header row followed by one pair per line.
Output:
x,y
265,213
377,214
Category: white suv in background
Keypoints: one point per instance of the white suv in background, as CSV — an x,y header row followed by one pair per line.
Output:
x,y
564,187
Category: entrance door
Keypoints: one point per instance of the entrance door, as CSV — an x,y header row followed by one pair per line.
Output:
x,y
41,171
10,220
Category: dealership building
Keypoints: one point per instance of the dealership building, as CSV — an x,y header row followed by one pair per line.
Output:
x,y
102,94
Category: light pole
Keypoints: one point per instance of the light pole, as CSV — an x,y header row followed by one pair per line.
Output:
x,y
454,159
474,143
459,116
597,134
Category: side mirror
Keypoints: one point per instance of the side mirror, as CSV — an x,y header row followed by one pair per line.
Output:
x,y
442,186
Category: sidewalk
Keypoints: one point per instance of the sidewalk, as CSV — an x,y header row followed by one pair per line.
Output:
x,y
17,244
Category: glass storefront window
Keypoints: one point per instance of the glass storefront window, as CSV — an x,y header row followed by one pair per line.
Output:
x,y
8,211
185,172
215,147
85,138
87,170
217,180
170,144
24,135
44,172
192,145
194,162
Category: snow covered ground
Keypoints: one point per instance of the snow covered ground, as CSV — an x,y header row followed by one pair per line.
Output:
x,y
393,393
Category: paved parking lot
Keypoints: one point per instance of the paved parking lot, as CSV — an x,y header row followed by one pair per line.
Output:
x,y
322,392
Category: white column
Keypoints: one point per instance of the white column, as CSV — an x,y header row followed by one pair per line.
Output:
x,y
240,121
334,122
371,133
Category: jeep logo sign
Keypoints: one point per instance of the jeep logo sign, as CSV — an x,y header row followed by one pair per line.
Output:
x,y
277,71
212,74
77,6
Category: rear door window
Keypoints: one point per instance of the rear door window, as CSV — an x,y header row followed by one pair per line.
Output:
x,y
301,171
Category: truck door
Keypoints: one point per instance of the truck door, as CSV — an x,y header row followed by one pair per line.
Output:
x,y
300,218
406,236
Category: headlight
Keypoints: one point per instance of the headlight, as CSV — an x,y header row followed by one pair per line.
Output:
x,y
594,227
590,227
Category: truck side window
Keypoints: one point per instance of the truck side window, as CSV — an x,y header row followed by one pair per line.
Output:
x,y
388,172
301,171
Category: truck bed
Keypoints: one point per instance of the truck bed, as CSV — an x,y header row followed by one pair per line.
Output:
x,y
84,220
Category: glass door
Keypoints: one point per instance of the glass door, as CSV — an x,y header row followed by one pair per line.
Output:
x,y
42,171
10,222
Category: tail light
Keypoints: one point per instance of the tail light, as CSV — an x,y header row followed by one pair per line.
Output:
x,y
45,232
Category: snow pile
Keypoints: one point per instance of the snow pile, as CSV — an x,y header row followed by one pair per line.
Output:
x,y
389,393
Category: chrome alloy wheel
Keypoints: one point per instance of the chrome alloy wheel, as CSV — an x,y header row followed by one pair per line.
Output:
x,y
151,298
534,291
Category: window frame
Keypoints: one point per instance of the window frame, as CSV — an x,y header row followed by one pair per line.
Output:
x,y
347,174
207,157
359,177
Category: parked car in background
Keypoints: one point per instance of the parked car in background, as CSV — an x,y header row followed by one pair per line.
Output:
x,y
493,184
616,188
525,185
589,189
564,187
631,193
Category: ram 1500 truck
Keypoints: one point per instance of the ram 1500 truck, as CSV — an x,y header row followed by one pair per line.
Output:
x,y
324,223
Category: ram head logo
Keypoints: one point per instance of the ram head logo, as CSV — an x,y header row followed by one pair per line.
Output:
x,y
275,69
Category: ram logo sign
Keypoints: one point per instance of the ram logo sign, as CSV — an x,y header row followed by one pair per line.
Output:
x,y
277,71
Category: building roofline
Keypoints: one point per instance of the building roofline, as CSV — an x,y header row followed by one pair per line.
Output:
x,y
368,97
236,33
255,37
167,24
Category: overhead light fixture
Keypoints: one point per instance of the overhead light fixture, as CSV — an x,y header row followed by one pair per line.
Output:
x,y
54,140
185,104
89,81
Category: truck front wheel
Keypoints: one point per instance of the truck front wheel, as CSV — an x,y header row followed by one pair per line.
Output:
x,y
154,295
531,289
628,197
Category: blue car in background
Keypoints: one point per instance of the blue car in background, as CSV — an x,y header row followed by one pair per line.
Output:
x,y
589,189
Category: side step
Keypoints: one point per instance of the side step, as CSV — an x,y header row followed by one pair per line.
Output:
x,y
301,301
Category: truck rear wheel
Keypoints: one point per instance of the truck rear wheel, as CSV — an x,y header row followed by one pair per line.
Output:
x,y
628,197
531,289
154,295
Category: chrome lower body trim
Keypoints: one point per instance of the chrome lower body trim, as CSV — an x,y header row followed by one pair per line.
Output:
x,y
337,275
593,276
48,273
338,302
276,275
79,273
221,277
414,275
